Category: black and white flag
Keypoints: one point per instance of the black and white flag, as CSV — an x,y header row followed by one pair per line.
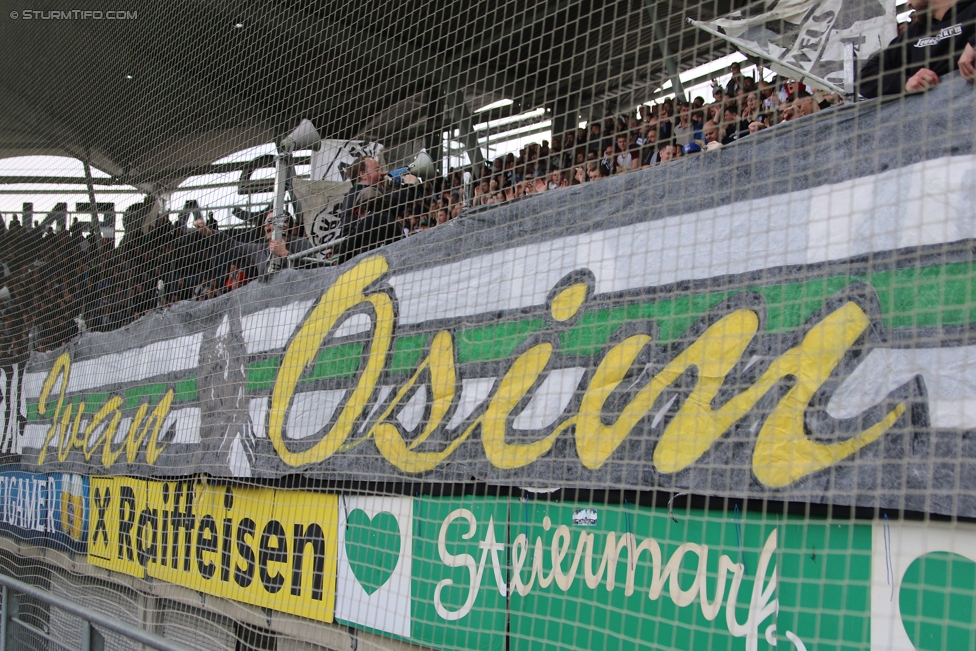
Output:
x,y
807,37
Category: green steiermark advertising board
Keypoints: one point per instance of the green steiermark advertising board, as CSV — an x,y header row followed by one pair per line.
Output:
x,y
539,575
613,578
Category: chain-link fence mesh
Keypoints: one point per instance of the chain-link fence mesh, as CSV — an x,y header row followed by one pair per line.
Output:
x,y
490,326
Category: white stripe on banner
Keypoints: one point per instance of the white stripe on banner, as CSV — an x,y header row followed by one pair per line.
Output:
x,y
921,204
271,328
949,375
159,358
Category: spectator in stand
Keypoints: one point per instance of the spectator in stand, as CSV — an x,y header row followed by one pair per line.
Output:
x,y
443,215
509,176
594,138
748,86
236,278
652,155
802,106
666,153
607,164
498,169
752,113
698,122
684,129
370,208
665,129
718,95
364,173
480,193
554,157
735,127
627,158
770,100
649,148
636,140
258,255
712,140
593,171
940,39
408,219
555,178
569,149
735,85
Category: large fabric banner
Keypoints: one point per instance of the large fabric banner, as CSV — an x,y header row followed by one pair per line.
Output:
x,y
810,34
799,340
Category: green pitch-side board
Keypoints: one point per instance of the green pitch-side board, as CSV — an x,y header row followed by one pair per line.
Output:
x,y
537,575
794,577
630,578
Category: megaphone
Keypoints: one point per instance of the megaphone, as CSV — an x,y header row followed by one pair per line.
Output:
x,y
305,136
421,166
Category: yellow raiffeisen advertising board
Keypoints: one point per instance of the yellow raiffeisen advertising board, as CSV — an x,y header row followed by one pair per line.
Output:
x,y
271,548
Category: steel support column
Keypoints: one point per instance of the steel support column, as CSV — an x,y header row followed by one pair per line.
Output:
x,y
661,40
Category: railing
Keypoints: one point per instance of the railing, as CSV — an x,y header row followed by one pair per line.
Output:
x,y
91,639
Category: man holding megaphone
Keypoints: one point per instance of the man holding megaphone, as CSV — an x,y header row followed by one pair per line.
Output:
x,y
369,210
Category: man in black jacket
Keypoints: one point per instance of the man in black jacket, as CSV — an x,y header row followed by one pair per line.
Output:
x,y
939,40
369,210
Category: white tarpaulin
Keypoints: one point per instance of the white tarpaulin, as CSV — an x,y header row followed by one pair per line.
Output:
x,y
809,35
329,163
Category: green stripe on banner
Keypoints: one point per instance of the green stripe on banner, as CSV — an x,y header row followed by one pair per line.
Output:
x,y
261,375
406,353
186,391
336,362
496,341
150,393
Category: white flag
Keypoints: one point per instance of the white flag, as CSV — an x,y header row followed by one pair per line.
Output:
x,y
320,208
809,35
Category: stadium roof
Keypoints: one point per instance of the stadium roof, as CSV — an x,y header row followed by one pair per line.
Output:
x,y
158,96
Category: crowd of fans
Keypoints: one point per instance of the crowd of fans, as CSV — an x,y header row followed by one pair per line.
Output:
x,y
650,136
61,283
58,284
